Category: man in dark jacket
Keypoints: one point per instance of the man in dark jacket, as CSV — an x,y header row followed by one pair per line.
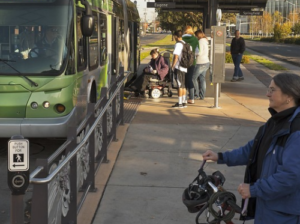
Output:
x,y
237,49
156,69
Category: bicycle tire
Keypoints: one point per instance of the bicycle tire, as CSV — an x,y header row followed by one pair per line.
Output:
x,y
221,196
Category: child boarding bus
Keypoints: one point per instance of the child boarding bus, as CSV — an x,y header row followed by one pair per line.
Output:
x,y
56,55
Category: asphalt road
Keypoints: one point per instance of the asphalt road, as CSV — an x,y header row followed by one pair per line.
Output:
x,y
38,148
151,38
285,52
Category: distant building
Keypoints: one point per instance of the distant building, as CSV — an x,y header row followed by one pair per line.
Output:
x,y
242,24
282,6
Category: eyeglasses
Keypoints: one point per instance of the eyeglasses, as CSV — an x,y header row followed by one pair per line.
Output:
x,y
271,90
54,30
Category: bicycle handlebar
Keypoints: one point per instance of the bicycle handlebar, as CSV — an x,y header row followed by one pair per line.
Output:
x,y
202,165
238,209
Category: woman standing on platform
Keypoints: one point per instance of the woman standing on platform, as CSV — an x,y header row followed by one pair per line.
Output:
x,y
272,158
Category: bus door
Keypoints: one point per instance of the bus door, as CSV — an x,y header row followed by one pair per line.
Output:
x,y
131,66
105,50
136,45
82,68
110,46
114,45
121,52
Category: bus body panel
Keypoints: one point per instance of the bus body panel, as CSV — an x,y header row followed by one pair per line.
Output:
x,y
59,80
12,102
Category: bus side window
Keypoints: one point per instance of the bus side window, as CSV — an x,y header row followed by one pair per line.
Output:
x,y
81,54
103,38
121,42
4,42
93,45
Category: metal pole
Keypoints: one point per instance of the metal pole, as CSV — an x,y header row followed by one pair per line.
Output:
x,y
293,14
16,209
216,99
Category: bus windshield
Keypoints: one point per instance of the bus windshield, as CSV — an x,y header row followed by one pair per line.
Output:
x,y
34,38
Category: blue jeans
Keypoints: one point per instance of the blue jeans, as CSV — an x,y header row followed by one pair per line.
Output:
x,y
200,70
237,58
188,79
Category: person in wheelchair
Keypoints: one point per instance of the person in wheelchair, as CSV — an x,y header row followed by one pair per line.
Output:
x,y
156,69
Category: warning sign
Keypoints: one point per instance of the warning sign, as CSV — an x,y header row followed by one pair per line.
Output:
x,y
219,33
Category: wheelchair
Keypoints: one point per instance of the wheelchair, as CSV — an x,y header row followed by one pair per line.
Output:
x,y
157,88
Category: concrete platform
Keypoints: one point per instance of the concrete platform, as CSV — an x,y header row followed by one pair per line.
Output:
x,y
162,150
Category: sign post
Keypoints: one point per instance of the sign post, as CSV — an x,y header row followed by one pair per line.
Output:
x,y
218,56
17,175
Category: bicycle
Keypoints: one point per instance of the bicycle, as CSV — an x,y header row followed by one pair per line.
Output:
x,y
207,192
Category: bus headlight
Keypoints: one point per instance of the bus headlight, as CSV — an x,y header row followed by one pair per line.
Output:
x,y
60,108
34,105
46,104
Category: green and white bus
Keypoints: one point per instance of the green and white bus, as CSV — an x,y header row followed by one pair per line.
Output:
x,y
56,56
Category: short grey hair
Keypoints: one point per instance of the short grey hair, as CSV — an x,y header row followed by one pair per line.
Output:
x,y
289,84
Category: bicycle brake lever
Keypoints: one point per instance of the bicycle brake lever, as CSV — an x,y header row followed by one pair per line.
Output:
x,y
244,211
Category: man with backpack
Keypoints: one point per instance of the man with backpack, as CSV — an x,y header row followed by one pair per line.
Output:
x,y
181,61
190,38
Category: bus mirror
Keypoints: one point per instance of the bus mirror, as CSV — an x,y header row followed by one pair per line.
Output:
x,y
87,25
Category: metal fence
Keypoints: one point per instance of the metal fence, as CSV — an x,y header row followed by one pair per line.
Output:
x,y
62,181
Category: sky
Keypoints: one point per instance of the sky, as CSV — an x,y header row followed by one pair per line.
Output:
x,y
142,7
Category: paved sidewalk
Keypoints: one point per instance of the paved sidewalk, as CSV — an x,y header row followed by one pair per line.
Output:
x,y
162,150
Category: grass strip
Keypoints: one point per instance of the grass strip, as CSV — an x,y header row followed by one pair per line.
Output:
x,y
265,62
167,44
163,45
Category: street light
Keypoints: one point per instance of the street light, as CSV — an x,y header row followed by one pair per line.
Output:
x,y
293,10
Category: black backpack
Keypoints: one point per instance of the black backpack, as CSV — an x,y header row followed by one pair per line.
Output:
x,y
187,55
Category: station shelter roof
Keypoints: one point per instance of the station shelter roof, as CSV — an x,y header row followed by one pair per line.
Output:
x,y
225,5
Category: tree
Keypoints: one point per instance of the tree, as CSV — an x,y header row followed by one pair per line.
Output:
x,y
277,33
281,31
267,24
296,28
229,17
277,17
178,20
285,29
293,17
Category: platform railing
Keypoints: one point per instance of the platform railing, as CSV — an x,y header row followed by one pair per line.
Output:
x,y
62,181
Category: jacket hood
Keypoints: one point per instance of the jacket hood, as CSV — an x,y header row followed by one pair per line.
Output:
x,y
192,40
